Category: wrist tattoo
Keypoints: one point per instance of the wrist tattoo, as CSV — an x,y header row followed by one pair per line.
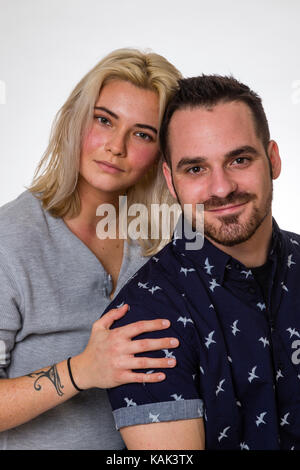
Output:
x,y
52,375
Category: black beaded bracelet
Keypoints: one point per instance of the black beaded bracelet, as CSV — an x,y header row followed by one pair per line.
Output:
x,y
71,376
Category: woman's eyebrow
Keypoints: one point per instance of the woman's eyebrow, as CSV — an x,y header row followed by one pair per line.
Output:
x,y
102,108
114,115
146,126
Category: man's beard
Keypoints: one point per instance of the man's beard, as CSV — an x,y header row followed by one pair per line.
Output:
x,y
230,231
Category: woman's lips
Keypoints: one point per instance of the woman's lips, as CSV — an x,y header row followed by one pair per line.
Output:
x,y
108,167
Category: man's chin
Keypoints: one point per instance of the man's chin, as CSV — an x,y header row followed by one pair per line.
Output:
x,y
229,240
231,232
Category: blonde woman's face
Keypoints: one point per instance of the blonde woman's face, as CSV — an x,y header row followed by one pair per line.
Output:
x,y
122,142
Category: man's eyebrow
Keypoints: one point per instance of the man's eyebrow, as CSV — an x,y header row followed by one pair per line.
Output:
x,y
240,150
189,161
231,154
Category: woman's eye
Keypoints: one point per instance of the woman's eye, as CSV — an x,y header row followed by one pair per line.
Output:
x,y
144,136
102,120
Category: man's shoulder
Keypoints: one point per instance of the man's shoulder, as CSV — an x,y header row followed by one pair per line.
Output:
x,y
292,240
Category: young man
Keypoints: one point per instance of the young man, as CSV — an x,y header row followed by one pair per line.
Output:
x,y
234,304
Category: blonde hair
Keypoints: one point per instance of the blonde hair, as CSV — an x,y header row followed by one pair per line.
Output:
x,y
56,177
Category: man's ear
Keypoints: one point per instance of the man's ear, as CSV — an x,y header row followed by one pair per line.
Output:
x,y
274,157
168,177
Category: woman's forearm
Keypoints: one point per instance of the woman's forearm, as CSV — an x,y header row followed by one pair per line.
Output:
x,y
24,398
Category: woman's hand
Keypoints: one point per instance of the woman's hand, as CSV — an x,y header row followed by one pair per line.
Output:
x,y
108,359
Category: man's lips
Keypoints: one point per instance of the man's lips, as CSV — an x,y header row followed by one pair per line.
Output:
x,y
108,167
226,209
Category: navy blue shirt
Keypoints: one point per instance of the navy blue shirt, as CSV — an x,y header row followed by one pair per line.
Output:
x,y
238,363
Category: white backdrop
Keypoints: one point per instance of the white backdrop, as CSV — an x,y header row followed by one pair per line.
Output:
x,y
46,46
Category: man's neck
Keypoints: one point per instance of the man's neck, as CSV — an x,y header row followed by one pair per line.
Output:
x,y
253,252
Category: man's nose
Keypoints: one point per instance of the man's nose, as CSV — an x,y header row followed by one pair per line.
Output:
x,y
221,183
116,144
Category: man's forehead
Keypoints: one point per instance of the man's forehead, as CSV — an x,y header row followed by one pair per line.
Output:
x,y
231,109
213,127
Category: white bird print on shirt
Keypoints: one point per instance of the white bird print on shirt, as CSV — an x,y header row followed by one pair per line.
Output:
x,y
260,419
176,397
208,267
261,306
213,285
185,320
284,420
294,241
144,286
186,270
293,332
153,289
120,305
247,273
252,374
284,287
219,387
265,341
234,327
279,375
175,237
130,402
154,418
223,433
169,354
209,339
289,261
156,260
244,446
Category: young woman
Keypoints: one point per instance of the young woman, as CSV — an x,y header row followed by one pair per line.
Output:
x,y
57,276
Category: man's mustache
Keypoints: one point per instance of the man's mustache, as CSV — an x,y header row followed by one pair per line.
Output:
x,y
233,198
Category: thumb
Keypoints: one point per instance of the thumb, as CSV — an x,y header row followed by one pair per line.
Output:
x,y
114,314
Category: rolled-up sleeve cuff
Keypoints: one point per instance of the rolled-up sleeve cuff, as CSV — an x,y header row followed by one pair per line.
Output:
x,y
158,412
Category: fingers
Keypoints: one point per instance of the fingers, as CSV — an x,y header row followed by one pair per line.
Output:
x,y
144,345
150,363
114,314
133,377
144,326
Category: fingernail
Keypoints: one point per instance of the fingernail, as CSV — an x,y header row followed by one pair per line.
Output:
x,y
165,322
171,362
161,376
174,342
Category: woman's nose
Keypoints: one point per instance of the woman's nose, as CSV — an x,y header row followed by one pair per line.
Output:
x,y
116,144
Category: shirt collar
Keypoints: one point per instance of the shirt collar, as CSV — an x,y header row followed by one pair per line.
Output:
x,y
209,258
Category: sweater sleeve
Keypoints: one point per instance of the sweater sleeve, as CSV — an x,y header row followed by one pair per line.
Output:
x,y
10,318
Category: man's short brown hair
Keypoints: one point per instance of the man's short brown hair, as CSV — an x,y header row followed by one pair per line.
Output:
x,y
207,91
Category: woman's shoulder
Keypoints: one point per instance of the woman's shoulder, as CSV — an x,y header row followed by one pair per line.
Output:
x,y
20,218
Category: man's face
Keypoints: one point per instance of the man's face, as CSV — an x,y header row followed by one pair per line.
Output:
x,y
218,160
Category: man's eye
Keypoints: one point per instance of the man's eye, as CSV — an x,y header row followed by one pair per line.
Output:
x,y
194,169
241,160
